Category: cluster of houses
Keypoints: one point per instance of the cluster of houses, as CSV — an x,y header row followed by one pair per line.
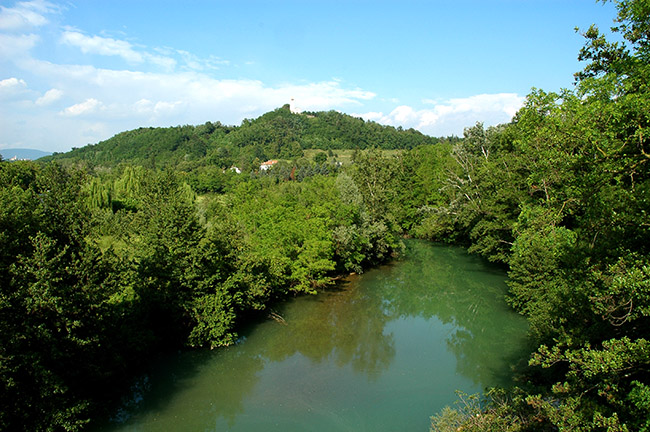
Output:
x,y
263,166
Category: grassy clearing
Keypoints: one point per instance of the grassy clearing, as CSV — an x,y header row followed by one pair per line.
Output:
x,y
344,156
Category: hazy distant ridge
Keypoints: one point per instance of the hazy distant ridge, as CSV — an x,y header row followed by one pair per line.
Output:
x,y
23,154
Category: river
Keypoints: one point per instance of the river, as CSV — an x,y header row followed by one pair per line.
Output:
x,y
381,351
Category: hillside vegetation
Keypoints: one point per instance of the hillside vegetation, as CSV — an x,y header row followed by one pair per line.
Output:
x,y
149,242
278,134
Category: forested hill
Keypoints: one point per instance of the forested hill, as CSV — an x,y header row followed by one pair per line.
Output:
x,y
277,134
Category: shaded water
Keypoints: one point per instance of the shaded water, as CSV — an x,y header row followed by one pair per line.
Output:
x,y
382,351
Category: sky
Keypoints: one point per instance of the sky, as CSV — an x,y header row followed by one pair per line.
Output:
x,y
74,73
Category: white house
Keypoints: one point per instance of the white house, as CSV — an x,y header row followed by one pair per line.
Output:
x,y
268,164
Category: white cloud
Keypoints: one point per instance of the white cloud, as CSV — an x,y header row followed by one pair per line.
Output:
x,y
372,116
49,97
404,115
143,106
86,107
12,46
18,25
166,63
452,116
153,110
160,86
12,83
14,89
508,103
193,90
180,91
25,15
328,95
195,63
125,99
102,46
165,58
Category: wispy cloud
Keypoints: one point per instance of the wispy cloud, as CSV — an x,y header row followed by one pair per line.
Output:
x,y
102,46
26,15
162,86
15,46
166,59
196,63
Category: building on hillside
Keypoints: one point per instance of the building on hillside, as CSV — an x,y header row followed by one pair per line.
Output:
x,y
293,108
268,164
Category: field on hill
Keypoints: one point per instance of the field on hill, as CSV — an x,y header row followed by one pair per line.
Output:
x,y
344,155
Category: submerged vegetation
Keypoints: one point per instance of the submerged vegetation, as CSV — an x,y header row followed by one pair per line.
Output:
x,y
151,240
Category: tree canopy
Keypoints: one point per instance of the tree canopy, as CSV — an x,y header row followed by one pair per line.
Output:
x,y
571,224
279,134
150,241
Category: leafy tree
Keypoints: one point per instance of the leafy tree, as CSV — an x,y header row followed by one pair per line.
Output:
x,y
54,285
320,157
572,215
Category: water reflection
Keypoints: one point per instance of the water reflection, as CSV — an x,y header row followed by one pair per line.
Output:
x,y
460,290
378,351
341,325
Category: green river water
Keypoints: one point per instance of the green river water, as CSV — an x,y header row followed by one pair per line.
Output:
x,y
382,351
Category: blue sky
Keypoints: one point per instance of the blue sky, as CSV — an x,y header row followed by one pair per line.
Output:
x,y
77,72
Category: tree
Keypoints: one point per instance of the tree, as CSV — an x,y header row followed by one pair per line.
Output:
x,y
577,170
320,157
55,287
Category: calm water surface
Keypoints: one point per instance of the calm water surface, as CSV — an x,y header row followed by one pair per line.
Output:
x,y
382,351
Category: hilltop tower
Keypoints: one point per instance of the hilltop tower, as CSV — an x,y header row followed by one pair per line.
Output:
x,y
293,108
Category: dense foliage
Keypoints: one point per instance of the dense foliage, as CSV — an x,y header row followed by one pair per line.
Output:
x,y
118,255
562,195
279,134
100,272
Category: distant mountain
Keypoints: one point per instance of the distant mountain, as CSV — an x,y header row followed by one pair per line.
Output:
x,y
279,134
23,154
